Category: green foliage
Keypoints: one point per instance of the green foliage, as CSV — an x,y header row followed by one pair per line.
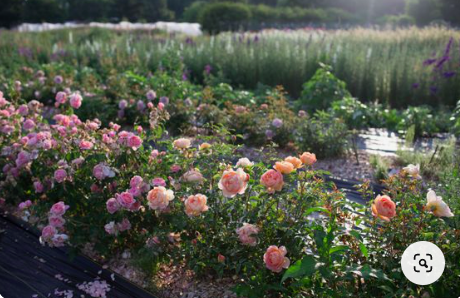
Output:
x,y
355,113
380,166
224,16
423,11
323,134
321,90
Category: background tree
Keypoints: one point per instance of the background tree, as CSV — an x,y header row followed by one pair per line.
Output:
x,y
424,11
10,12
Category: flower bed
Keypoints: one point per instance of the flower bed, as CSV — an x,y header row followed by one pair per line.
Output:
x,y
276,224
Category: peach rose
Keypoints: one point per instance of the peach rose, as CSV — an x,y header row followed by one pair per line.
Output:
x,y
246,234
296,162
205,146
437,206
383,207
308,158
182,143
284,167
275,260
195,205
272,180
233,182
193,176
159,198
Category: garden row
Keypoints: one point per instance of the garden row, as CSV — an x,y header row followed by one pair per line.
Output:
x,y
322,121
395,68
275,224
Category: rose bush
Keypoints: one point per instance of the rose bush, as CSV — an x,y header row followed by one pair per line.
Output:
x,y
276,224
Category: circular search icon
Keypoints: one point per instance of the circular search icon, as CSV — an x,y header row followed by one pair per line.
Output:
x,y
423,263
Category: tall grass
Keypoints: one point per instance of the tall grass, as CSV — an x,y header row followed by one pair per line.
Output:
x,y
383,65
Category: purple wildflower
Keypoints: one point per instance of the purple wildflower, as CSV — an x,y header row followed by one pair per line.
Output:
x,y
449,74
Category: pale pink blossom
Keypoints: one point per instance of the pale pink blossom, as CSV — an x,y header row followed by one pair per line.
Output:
x,y
233,182
126,199
60,175
196,204
61,97
112,205
159,198
56,221
193,176
75,100
182,143
246,234
59,209
437,206
48,232
275,260
86,145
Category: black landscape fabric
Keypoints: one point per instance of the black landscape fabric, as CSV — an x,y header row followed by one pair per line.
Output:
x,y
28,269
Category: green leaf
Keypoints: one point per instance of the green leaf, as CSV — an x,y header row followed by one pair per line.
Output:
x,y
316,209
363,249
305,267
338,249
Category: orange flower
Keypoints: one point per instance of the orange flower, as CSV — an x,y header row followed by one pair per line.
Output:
x,y
308,158
284,167
296,162
383,207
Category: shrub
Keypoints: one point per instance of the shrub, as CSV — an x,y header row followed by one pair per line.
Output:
x,y
224,16
355,114
323,134
321,90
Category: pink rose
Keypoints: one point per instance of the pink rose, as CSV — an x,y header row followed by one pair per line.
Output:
x,y
134,142
102,171
126,199
246,234
233,182
86,145
56,221
175,168
75,100
195,205
182,143
60,175
272,180
61,97
193,176
59,209
112,205
58,240
38,187
275,260
111,228
158,182
23,110
124,225
159,198
48,232
383,207
308,158
22,159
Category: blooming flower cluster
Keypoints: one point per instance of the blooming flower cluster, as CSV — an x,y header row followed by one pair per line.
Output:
x,y
53,232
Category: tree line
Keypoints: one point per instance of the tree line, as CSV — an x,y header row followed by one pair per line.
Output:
x,y
421,12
